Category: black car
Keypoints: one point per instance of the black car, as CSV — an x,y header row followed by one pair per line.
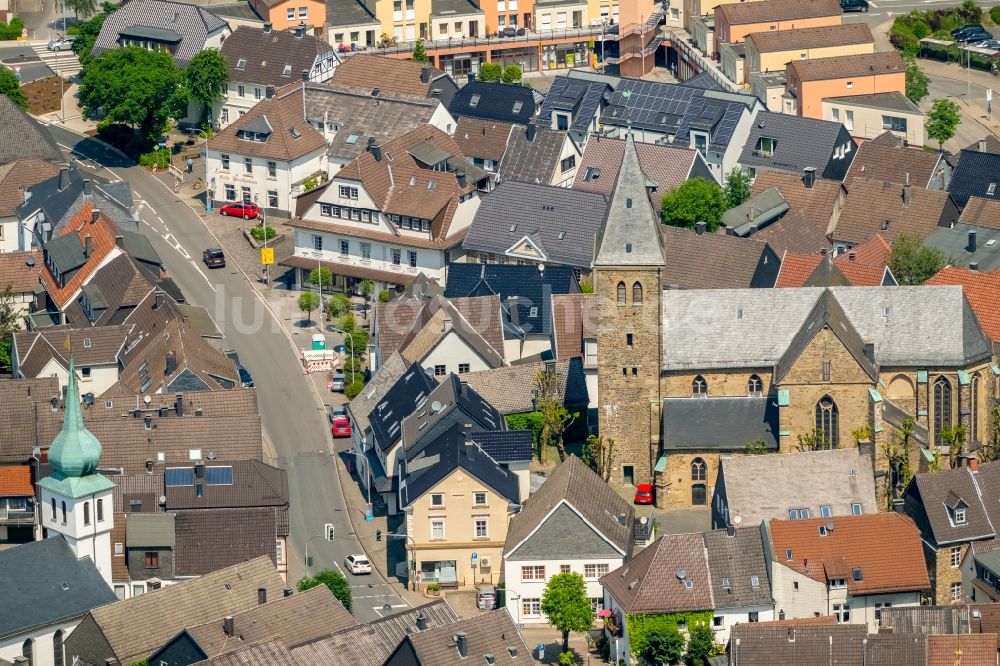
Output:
x,y
854,5
967,28
214,258
509,31
64,22
974,37
246,380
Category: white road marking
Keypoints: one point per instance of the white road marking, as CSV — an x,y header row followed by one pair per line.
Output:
x,y
378,609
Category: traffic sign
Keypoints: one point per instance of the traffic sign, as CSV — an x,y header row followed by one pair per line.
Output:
x,y
369,514
475,556
267,256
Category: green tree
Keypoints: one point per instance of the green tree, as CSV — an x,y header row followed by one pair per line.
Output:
x,y
989,449
699,645
205,78
10,323
555,417
600,455
321,276
334,580
911,262
86,34
360,337
942,121
308,301
663,646
737,187
511,74
11,87
954,438
338,305
352,390
82,8
811,441
419,52
133,86
346,323
384,296
756,447
916,81
367,291
696,200
490,71
567,606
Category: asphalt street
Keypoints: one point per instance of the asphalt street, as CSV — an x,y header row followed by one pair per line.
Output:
x,y
293,417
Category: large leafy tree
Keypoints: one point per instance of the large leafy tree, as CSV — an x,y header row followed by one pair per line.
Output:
x,y
737,187
695,200
133,86
566,604
82,8
334,580
10,86
912,262
916,81
87,32
942,121
205,78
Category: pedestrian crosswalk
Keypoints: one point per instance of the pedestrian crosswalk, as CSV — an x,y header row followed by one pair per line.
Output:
x,y
64,63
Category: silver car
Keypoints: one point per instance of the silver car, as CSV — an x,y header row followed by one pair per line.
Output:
x,y
61,43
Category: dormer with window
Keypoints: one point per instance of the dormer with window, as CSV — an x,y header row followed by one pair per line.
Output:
x,y
765,147
957,509
257,130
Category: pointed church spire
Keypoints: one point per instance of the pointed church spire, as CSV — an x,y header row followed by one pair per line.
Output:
x,y
75,451
631,235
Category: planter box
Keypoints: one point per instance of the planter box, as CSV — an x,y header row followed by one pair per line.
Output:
x,y
255,244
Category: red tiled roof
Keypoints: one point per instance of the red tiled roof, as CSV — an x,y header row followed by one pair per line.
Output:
x,y
796,269
874,252
862,276
983,292
964,649
885,547
103,234
15,481
16,271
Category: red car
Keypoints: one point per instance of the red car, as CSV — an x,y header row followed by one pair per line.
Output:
x,y
341,427
247,211
643,494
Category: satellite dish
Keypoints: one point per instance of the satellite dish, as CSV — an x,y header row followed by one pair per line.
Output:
x,y
829,526
643,520
435,407
163,499
30,261
211,455
737,520
682,574
147,400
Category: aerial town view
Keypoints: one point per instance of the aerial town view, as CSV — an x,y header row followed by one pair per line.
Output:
x,y
453,333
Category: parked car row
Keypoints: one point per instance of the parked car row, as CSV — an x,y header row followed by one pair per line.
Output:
x,y
973,34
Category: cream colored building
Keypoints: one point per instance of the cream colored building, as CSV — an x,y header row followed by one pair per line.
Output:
x,y
771,51
458,502
870,116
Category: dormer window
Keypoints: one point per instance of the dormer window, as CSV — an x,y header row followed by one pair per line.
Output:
x,y
959,516
287,71
241,63
766,146
474,102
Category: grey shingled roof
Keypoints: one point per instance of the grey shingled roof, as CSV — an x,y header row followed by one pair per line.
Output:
x,y
757,211
934,488
575,485
509,388
582,98
534,161
737,558
35,575
150,529
495,101
22,137
802,142
802,645
954,242
805,480
565,222
632,225
719,424
926,325
265,653
372,642
268,54
491,633
975,173
193,23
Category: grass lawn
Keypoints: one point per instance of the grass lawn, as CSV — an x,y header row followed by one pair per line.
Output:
x,y
552,457
43,95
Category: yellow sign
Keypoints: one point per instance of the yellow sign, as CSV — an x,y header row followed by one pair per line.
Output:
x,y
267,256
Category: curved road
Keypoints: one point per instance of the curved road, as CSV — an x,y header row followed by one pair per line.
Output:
x,y
294,418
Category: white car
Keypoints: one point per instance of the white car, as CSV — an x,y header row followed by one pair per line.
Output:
x,y
358,564
60,43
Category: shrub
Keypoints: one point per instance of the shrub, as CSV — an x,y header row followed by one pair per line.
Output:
x,y
346,323
260,233
11,30
567,658
384,296
351,364
309,184
995,14
433,587
338,305
920,29
159,158
586,287
354,389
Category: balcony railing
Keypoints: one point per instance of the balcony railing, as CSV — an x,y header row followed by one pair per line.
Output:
x,y
16,517
649,49
528,38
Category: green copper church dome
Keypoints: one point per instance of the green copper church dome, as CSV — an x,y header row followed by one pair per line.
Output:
x,y
75,451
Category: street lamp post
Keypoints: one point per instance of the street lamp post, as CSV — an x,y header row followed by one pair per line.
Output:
x,y
351,339
319,287
308,541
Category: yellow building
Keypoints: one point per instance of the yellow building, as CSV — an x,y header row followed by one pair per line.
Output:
x,y
457,501
771,51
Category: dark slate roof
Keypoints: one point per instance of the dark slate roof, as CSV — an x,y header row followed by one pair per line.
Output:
x,y
253,484
563,222
347,13
268,55
194,24
386,418
494,101
520,287
582,98
505,446
35,575
114,200
473,411
649,583
492,633
66,252
22,137
954,242
703,80
802,142
452,450
535,160
975,174
803,645
719,424
931,490
737,556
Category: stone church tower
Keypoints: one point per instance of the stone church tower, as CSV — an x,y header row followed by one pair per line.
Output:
x,y
627,275
77,502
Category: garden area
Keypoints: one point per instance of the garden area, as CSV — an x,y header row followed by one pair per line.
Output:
x,y
908,29
44,95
